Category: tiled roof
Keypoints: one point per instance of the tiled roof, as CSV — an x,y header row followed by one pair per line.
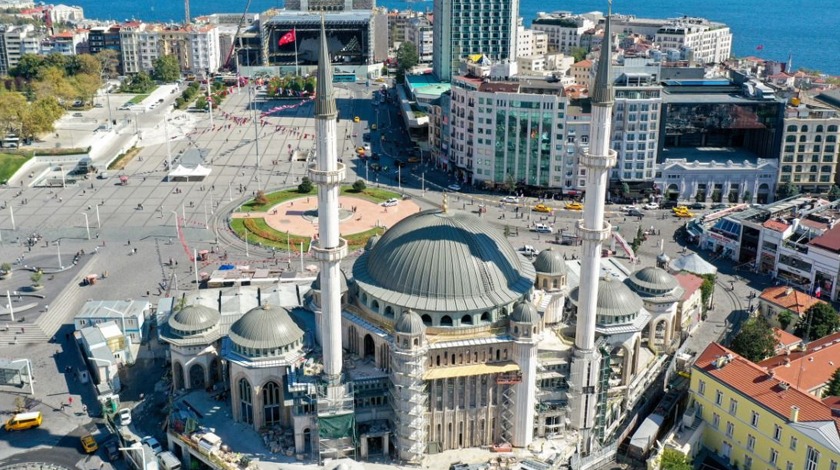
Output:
x,y
808,369
689,282
756,384
786,339
830,240
776,225
583,63
789,298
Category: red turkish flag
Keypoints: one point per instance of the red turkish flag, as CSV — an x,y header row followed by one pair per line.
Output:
x,y
287,38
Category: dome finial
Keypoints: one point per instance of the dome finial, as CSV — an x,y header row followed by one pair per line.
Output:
x,y
444,206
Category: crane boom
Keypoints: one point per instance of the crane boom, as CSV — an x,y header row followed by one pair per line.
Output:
x,y
236,35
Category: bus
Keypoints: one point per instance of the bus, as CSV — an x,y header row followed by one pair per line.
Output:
x,y
344,77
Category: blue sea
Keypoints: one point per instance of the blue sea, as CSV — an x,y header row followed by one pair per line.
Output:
x,y
772,29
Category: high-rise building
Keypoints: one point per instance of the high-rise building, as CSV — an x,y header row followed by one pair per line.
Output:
x,y
585,385
485,27
809,147
708,41
15,41
563,29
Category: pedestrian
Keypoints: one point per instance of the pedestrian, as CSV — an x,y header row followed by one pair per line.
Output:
x,y
69,401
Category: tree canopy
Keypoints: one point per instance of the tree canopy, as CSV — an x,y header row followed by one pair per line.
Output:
x,y
833,388
823,321
787,190
756,340
407,58
673,460
166,69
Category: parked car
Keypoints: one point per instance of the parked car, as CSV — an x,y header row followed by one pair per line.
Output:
x,y
529,250
574,206
635,213
125,417
89,444
153,444
651,206
391,202
697,206
542,228
510,200
78,114
112,451
542,208
454,187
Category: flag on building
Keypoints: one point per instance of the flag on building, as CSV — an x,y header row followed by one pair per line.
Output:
x,y
287,38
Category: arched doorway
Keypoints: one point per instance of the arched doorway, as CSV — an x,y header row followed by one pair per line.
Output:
x,y
672,193
177,375
763,196
370,346
307,441
246,402
272,405
215,373
197,376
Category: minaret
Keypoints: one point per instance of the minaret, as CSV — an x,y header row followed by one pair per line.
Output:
x,y
593,231
330,248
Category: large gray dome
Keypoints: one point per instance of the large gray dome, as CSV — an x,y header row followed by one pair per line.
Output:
x,y
652,281
409,323
524,312
194,318
550,262
444,261
614,299
264,327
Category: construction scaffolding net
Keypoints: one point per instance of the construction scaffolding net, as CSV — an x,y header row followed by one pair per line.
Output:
x,y
337,426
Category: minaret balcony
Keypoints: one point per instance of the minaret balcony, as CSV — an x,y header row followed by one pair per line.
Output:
x,y
593,234
328,177
334,254
602,162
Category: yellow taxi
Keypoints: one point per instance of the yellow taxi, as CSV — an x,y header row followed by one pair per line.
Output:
x,y
356,119
680,209
89,444
684,214
413,159
574,206
542,208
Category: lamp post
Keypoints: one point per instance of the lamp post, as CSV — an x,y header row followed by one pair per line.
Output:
x,y
58,249
175,213
28,372
98,222
87,225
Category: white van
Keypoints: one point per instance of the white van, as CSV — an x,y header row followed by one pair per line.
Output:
x,y
168,461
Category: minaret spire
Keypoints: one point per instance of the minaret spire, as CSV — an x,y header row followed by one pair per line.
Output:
x,y
325,99
586,372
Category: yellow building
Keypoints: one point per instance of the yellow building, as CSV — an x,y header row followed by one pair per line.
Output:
x,y
754,420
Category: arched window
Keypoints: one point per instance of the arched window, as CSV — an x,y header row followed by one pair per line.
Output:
x,y
375,306
791,128
818,138
485,317
364,298
246,402
271,404
790,138
799,168
554,284
803,138
819,128
786,168
804,128
813,168
545,284
832,128
446,320
831,138
389,312
467,320
826,169
427,320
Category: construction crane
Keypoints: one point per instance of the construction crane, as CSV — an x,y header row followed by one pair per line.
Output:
x,y
236,37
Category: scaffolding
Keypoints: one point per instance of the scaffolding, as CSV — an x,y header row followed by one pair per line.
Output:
x,y
507,414
336,421
409,398
603,390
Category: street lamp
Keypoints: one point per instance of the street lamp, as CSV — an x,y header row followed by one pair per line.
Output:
x,y
175,213
137,446
87,225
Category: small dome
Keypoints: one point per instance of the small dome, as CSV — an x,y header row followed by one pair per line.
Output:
x,y
342,279
194,318
524,312
371,242
550,262
264,327
652,280
614,299
409,323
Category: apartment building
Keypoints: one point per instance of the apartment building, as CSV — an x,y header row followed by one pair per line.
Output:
x,y
710,42
15,41
753,419
530,42
418,31
809,148
397,24
563,30
195,46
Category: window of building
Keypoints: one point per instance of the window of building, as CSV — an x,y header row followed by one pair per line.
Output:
x,y
792,443
777,433
730,429
701,388
812,459
747,462
754,420
715,420
750,442
733,406
718,398
774,456
832,465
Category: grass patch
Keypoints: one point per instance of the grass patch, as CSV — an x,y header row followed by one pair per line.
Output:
x,y
139,98
359,240
124,158
376,195
9,164
370,194
259,233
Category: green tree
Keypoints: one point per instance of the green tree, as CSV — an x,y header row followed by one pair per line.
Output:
x,y
579,53
138,83
87,64
787,190
305,185
201,102
359,185
819,320
700,197
756,340
716,196
785,318
671,459
707,289
109,62
52,81
833,193
625,189
40,116
28,66
36,278
406,59
86,85
833,388
12,107
166,69
747,197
